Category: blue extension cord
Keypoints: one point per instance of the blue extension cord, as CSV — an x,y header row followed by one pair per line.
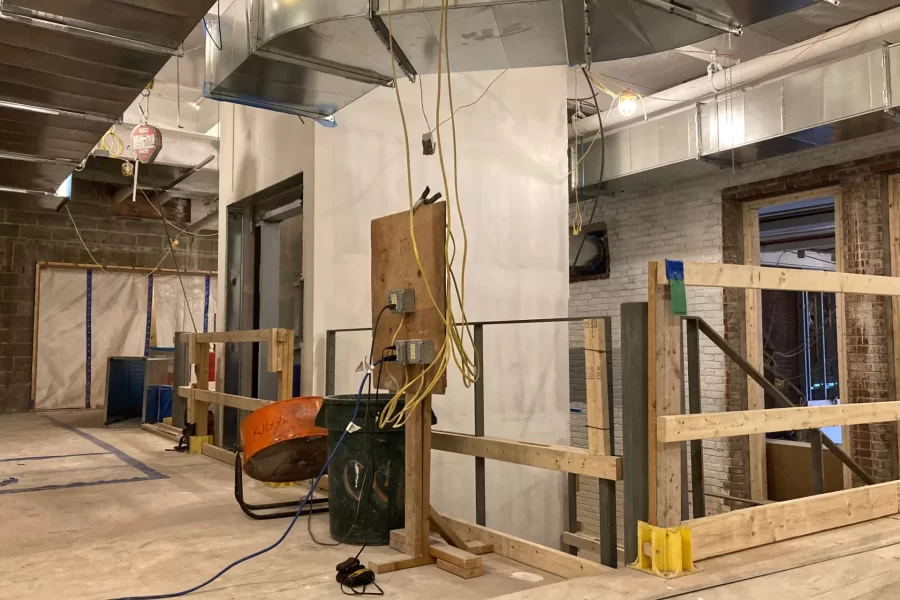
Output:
x,y
290,525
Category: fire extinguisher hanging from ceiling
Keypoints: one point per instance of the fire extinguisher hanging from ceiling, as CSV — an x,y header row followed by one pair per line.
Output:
x,y
146,140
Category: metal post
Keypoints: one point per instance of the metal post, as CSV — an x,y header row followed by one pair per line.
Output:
x,y
607,488
634,325
269,302
693,356
818,469
572,522
480,495
683,446
330,346
237,376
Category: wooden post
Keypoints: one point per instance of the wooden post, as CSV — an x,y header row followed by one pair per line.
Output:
x,y
595,358
418,479
200,360
597,369
285,361
894,251
669,388
34,339
843,373
652,275
754,354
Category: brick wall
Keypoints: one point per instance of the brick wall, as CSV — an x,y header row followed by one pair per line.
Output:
x,y
864,227
125,234
864,200
701,220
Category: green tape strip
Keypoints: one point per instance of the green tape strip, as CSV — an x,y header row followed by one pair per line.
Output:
x,y
679,298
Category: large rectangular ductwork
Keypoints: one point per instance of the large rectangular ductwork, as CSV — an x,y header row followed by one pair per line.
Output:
x,y
845,99
313,58
838,86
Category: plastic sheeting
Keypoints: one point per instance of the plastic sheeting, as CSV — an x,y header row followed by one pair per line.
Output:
x,y
61,351
170,313
118,327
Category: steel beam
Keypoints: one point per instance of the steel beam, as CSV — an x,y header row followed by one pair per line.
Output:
x,y
693,358
87,34
480,481
634,325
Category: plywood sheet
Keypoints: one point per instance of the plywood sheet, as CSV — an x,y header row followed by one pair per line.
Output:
x,y
394,266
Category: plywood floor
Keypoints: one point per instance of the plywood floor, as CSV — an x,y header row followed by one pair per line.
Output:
x,y
90,512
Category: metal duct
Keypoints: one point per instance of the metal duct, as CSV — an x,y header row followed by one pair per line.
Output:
x,y
834,102
314,57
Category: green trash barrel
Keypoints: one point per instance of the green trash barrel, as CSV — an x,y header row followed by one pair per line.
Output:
x,y
351,487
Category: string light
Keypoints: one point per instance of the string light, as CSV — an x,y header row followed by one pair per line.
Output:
x,y
627,103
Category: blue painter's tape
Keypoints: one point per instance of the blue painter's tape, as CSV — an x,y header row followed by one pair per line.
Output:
x,y
150,473
206,307
149,315
77,484
674,269
87,339
25,458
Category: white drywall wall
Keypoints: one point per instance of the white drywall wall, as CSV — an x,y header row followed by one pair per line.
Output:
x,y
512,179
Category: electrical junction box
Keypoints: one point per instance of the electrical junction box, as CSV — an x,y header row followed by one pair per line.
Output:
x,y
146,142
415,352
404,301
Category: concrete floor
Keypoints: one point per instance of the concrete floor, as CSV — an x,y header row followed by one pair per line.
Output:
x,y
111,513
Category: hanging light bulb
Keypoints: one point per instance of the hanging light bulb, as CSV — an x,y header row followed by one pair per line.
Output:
x,y
627,103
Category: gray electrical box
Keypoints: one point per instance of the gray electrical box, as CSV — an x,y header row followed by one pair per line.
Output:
x,y
415,352
404,301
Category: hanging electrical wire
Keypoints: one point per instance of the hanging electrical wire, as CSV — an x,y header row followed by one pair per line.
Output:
x,y
173,225
97,262
452,346
602,166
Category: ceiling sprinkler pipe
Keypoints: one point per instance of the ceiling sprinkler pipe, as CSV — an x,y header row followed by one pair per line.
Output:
x,y
876,28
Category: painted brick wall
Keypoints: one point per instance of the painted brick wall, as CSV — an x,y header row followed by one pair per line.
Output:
x,y
685,224
701,220
115,236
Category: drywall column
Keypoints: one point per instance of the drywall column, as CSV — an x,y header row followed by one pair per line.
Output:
x,y
512,188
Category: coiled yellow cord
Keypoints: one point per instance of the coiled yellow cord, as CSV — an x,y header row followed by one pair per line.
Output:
x,y
452,345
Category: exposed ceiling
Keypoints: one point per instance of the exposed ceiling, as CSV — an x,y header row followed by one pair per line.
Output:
x,y
65,68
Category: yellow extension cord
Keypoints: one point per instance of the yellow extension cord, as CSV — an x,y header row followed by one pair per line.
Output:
x,y
452,345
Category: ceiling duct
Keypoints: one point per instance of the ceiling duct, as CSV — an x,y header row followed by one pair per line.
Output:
x,y
314,57
750,120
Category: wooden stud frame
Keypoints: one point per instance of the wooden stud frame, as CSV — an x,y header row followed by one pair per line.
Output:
x,y
747,528
753,323
280,360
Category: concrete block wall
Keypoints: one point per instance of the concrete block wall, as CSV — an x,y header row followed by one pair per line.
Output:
x,y
115,236
700,220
